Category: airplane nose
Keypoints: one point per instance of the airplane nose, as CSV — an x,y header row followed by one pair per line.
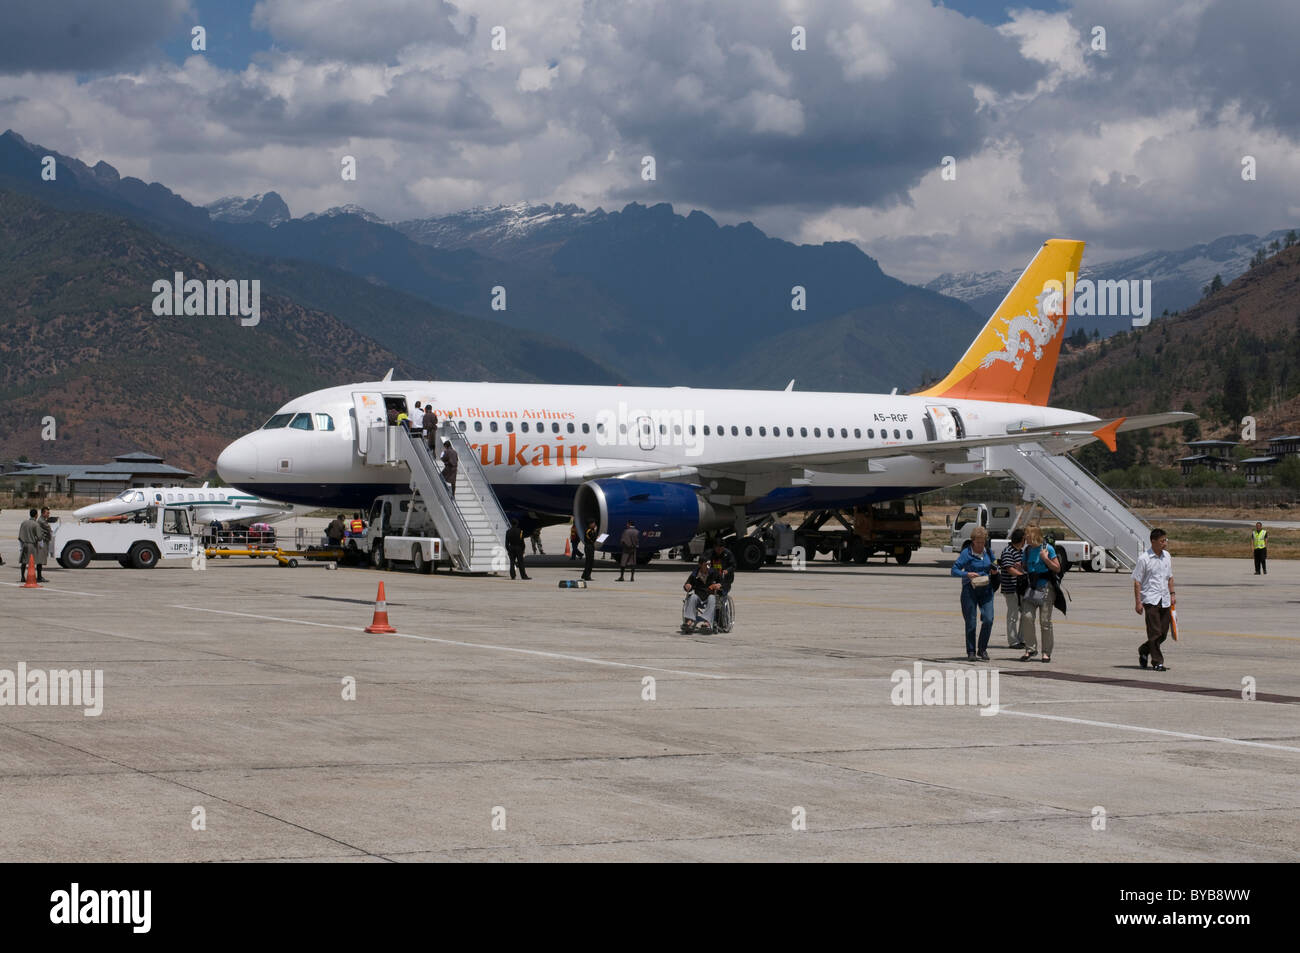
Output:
x,y
238,461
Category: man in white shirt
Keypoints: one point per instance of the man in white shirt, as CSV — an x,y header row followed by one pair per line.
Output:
x,y
1153,597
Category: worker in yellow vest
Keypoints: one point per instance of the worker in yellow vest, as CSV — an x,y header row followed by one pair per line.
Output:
x,y
1260,539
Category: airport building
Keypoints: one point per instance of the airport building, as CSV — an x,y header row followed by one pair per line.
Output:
x,y
100,481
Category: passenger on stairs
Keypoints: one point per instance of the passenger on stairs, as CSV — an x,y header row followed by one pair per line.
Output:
x,y
450,463
430,425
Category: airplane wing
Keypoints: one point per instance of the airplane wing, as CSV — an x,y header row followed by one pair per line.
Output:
x,y
1054,439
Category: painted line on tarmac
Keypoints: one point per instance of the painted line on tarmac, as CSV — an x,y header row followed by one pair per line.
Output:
x,y
71,592
469,645
1153,731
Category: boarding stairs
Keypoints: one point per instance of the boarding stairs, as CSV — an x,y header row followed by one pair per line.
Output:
x,y
472,526
1083,503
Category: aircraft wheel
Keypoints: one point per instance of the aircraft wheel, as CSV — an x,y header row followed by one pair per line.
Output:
x,y
749,555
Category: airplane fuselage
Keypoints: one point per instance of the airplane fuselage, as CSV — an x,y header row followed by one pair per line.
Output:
x,y
538,442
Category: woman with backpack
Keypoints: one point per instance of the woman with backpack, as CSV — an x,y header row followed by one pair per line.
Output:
x,y
1041,566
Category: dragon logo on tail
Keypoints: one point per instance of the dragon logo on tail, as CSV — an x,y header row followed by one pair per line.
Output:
x,y
1029,331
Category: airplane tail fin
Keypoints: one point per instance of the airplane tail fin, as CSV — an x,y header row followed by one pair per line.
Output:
x,y
1013,359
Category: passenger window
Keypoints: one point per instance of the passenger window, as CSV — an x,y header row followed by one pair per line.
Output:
x,y
584,429
762,431
301,422
622,428
524,427
830,431
749,431
278,421
171,497
677,430
492,425
691,430
871,433
857,433
896,436
803,431
735,431
789,431
706,430
510,426
324,422
555,428
461,426
844,432
909,435
571,428
478,426
663,430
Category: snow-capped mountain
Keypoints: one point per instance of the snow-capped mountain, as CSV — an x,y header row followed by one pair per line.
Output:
x,y
1177,277
348,209
505,231
265,207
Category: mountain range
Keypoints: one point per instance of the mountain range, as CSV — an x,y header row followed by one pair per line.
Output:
x,y
551,293
1178,278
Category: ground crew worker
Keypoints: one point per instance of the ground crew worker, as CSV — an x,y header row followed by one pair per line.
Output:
x,y
1260,540
575,542
723,561
627,551
334,532
515,549
536,540
358,525
589,557
404,419
29,536
47,537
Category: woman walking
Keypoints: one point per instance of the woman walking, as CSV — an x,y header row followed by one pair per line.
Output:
x,y
1041,565
978,573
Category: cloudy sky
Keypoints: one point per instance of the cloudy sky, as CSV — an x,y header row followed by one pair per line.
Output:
x,y
1134,147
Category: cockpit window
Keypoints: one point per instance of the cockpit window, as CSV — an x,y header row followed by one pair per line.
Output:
x,y
324,422
278,421
301,422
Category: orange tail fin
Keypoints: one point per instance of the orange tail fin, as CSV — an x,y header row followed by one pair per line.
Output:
x,y
1013,359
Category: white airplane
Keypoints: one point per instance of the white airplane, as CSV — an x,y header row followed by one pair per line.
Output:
x,y
229,505
681,460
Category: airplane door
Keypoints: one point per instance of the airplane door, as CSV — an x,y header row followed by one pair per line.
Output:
x,y
943,422
645,433
369,410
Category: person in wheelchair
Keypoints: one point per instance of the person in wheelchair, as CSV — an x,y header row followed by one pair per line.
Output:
x,y
703,589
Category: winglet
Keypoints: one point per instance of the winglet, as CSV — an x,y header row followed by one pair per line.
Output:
x,y
1107,433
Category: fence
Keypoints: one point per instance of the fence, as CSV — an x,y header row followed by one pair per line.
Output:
x,y
1174,497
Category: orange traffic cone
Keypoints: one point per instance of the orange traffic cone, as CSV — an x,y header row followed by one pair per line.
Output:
x,y
30,582
567,550
380,622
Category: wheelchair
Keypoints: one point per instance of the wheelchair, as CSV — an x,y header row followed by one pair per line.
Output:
x,y
724,615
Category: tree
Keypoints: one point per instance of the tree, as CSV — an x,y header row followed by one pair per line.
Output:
x,y
1274,246
1236,402
1214,286
1191,428
1291,238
